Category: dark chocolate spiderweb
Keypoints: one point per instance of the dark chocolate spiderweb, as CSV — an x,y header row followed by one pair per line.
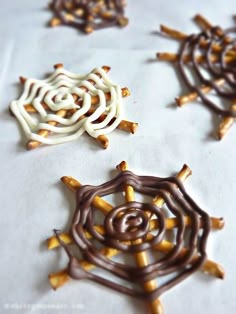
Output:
x,y
128,229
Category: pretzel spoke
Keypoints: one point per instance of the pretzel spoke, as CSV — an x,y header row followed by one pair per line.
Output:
x,y
172,32
71,183
182,100
171,223
214,51
86,16
173,57
32,144
206,25
202,22
53,241
124,125
175,34
58,279
211,268
183,174
226,124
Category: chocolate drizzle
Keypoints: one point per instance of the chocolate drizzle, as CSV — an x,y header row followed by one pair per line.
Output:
x,y
125,225
89,15
218,69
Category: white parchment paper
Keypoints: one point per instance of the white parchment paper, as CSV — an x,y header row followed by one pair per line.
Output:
x,y
33,201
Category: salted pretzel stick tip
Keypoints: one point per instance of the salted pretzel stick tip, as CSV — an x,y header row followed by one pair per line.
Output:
x,y
173,57
202,21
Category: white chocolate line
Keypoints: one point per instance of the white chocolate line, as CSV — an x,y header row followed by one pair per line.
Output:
x,y
57,93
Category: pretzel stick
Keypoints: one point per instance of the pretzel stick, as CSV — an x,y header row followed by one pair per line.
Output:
x,y
175,34
173,57
105,207
163,247
171,223
128,126
155,306
210,267
61,113
202,22
58,279
226,124
124,125
183,174
182,100
94,101
55,22
98,202
205,24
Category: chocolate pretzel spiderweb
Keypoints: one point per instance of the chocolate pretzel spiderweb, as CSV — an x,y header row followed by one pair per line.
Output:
x,y
212,56
137,229
88,15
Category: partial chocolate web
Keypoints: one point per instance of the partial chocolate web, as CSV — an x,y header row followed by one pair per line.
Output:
x,y
212,50
217,69
129,228
88,15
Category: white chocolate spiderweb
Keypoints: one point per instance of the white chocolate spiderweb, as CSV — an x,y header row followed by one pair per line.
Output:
x,y
61,92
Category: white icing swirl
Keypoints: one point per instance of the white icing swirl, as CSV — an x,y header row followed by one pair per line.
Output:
x,y
57,93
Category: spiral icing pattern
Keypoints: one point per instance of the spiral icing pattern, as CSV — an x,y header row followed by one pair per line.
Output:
x,y
61,92
130,229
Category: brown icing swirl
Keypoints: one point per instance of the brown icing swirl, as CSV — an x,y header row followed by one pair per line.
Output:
x,y
129,222
220,69
89,15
